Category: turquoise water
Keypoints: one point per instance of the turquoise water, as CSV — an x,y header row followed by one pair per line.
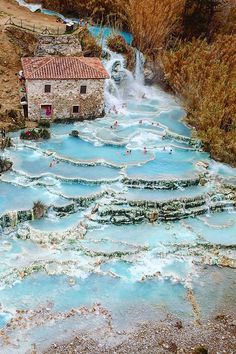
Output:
x,y
78,255
34,164
15,197
222,231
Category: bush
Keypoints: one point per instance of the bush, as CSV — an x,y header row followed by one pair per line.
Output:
x,y
5,165
44,123
39,210
90,46
44,134
74,133
29,135
34,134
6,143
117,44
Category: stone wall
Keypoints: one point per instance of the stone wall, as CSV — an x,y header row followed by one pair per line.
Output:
x,y
59,45
64,95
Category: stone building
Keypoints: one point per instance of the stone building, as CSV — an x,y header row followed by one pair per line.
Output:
x,y
64,87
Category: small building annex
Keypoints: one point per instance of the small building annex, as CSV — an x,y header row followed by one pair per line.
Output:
x,y
64,87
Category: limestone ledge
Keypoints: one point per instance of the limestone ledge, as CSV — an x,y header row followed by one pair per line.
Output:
x,y
164,183
122,211
13,218
52,238
193,142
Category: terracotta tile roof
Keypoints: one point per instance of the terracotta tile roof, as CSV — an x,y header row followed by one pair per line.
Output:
x,y
63,68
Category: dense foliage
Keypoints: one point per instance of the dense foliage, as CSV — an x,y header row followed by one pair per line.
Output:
x,y
152,22
204,76
198,17
90,45
35,134
117,44
44,123
102,11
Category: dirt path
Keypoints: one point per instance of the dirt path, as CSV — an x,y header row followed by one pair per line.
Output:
x,y
12,8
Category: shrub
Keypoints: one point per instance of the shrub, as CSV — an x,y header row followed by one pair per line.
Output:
x,y
29,135
6,143
90,46
5,165
44,134
74,133
39,210
118,44
34,134
44,123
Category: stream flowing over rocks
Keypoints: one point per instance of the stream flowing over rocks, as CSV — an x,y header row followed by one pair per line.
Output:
x,y
139,228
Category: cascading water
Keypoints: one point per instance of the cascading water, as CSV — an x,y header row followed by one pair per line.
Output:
x,y
139,67
128,224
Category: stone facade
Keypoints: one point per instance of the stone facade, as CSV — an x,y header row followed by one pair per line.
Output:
x,y
63,96
58,45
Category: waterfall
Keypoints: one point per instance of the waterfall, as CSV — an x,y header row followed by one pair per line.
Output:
x,y
139,68
123,83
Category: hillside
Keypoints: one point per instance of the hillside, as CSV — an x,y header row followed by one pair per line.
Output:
x,y
15,43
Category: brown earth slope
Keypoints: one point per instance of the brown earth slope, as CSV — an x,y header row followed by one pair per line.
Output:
x,y
15,43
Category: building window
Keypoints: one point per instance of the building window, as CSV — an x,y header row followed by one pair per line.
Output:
x,y
46,111
75,109
83,89
47,88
